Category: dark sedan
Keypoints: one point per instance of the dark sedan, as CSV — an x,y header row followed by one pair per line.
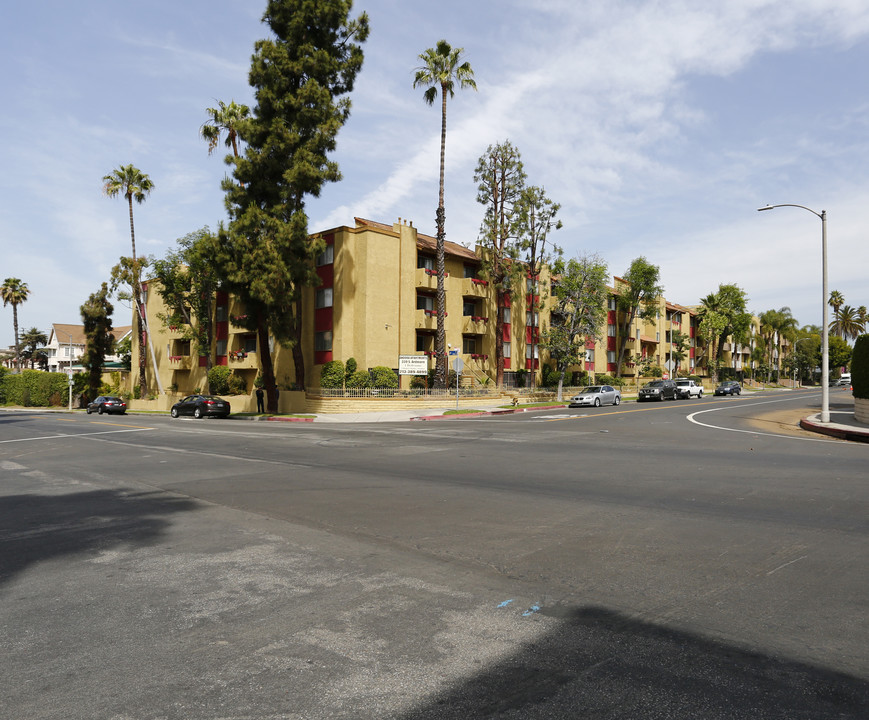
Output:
x,y
201,406
729,387
107,404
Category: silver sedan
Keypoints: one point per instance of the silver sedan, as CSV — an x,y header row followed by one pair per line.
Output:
x,y
596,395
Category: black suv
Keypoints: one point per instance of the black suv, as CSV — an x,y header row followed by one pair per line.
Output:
x,y
657,390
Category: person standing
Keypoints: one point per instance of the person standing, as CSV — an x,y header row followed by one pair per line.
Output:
x,y
260,405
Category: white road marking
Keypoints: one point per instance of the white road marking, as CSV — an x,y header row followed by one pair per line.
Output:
x,y
73,435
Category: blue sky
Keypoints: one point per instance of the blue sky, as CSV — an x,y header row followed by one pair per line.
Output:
x,y
659,126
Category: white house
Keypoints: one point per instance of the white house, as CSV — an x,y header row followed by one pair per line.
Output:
x,y
66,345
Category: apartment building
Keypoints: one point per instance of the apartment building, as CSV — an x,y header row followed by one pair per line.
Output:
x,y
377,301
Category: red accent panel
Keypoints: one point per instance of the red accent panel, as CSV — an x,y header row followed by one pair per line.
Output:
x,y
506,332
589,366
222,298
322,321
532,362
221,360
507,363
610,367
611,317
610,343
326,273
589,344
203,361
322,356
221,330
329,239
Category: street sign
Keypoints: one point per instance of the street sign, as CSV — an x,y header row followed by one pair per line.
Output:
x,y
458,364
454,352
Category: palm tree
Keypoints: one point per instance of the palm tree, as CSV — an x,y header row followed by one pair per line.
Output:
x,y
224,119
14,292
441,69
133,184
836,300
846,322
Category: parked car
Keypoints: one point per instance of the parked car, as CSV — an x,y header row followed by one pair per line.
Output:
x,y
686,388
657,390
201,406
729,387
596,395
107,404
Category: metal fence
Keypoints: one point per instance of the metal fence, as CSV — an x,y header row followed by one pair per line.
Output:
x,y
376,393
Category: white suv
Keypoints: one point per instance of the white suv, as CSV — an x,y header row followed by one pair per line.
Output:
x,y
686,388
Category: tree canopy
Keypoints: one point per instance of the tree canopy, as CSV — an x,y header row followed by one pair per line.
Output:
x,y
301,76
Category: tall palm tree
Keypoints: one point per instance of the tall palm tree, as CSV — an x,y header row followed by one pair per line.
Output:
x,y
836,300
133,184
441,69
14,292
223,119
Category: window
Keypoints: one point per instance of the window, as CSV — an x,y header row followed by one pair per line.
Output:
x,y
220,313
470,271
327,257
323,341
667,336
249,343
612,303
528,350
324,297
532,319
506,315
589,356
469,307
425,302
529,284
611,330
221,347
182,347
657,337
424,343
469,344
611,356
508,349
638,333
426,262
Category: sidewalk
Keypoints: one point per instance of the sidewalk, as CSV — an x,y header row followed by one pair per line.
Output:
x,y
842,425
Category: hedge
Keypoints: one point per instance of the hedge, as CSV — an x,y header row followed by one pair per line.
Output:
x,y
34,388
860,368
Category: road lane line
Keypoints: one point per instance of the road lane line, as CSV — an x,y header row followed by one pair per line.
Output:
x,y
73,435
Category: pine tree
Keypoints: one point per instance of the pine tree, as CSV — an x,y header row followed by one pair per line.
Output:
x,y
301,76
96,314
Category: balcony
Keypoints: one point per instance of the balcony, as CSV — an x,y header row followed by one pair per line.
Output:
x,y
242,360
180,362
426,278
475,324
474,287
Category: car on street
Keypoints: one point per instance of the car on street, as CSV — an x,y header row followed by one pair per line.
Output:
x,y
201,406
107,404
729,387
686,388
596,395
657,390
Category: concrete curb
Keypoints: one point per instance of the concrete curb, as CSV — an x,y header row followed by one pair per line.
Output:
x,y
843,432
500,411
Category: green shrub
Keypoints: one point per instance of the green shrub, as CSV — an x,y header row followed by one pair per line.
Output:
x,y
608,380
236,385
419,382
359,379
218,380
548,376
384,377
860,368
332,374
351,367
521,375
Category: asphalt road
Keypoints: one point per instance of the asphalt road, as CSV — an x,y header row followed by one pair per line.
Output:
x,y
673,560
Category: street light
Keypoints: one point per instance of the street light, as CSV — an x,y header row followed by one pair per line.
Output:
x,y
825,339
69,369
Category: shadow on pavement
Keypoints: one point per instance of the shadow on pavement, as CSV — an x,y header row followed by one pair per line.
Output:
x,y
601,664
35,527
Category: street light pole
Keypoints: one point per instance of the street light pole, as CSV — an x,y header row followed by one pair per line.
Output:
x,y
825,330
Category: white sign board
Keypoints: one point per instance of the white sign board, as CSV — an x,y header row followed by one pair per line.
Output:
x,y
412,365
